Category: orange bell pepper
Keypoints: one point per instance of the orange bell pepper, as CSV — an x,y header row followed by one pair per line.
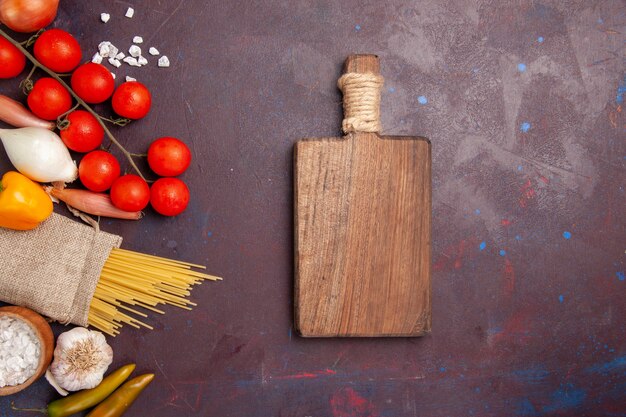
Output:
x,y
23,203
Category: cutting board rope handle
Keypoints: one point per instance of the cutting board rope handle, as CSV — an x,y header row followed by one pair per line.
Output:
x,y
361,85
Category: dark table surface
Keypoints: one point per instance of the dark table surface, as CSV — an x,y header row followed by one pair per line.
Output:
x,y
523,104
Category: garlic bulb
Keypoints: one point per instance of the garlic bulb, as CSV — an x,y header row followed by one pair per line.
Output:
x,y
39,154
80,359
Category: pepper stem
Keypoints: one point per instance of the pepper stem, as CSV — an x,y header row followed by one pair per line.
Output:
x,y
34,410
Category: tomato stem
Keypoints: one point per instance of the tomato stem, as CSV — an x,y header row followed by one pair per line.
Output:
x,y
62,122
100,119
117,122
27,84
28,42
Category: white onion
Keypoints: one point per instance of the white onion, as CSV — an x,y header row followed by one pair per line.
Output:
x,y
39,154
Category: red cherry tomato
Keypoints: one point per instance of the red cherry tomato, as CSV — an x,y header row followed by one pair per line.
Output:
x,y
169,196
49,99
168,157
130,193
131,100
58,50
97,170
84,133
93,82
12,60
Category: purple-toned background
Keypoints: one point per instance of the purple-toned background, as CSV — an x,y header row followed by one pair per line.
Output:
x,y
523,102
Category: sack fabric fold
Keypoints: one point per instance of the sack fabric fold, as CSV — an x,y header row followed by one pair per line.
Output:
x,y
54,268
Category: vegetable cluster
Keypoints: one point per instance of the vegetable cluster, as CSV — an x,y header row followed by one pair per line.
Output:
x,y
42,155
107,399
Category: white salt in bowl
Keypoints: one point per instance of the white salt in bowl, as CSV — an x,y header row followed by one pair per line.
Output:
x,y
43,332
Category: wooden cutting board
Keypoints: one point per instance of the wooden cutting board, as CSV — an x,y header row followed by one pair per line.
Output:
x,y
362,230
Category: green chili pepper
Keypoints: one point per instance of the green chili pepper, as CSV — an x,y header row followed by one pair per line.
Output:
x,y
118,402
88,398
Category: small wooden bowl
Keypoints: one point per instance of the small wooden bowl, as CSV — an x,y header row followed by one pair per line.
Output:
x,y
46,339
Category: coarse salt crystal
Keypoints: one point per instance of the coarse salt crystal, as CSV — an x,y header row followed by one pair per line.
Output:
x,y
137,39
164,62
120,55
153,51
113,74
130,12
130,78
104,49
115,62
142,61
105,17
96,58
131,61
134,51
107,49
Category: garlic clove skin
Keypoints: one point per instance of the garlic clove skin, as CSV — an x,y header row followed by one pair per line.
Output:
x,y
39,154
55,384
81,357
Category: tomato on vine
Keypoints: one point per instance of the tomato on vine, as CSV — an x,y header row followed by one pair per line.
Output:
x,y
168,157
49,99
132,100
130,193
12,60
57,50
169,196
97,170
93,83
84,133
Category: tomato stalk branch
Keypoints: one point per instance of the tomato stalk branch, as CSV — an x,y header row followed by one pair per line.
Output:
x,y
117,122
62,122
80,101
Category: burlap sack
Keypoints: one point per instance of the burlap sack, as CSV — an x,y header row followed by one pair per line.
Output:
x,y
54,268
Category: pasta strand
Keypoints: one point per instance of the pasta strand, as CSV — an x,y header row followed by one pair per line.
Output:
x,y
142,281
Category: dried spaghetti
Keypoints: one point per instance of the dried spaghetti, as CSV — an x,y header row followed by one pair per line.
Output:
x,y
131,282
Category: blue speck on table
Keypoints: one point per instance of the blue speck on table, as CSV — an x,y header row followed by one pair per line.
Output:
x,y
621,89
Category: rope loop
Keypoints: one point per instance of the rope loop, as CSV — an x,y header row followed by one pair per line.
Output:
x,y
361,102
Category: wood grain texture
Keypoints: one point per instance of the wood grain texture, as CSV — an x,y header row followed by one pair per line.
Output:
x,y
362,234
